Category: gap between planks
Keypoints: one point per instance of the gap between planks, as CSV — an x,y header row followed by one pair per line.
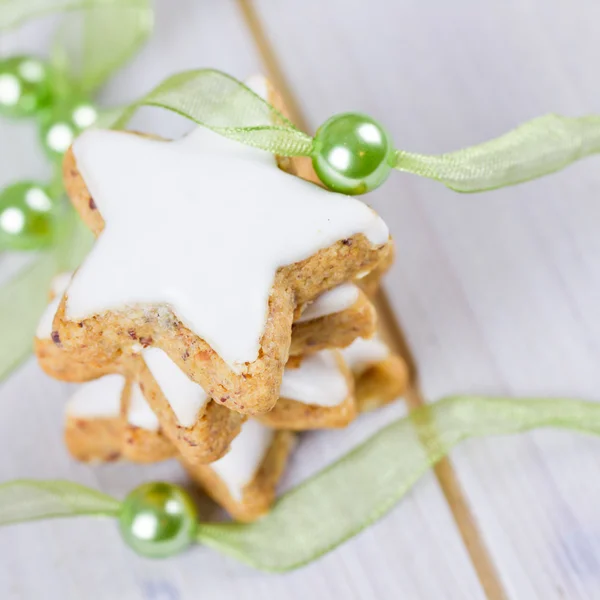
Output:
x,y
392,332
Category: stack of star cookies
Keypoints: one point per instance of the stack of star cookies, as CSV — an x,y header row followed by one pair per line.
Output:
x,y
225,305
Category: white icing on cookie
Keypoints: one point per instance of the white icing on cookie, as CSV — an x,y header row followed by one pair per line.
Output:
x,y
58,285
139,412
60,282
239,466
334,301
185,397
202,225
317,381
362,354
97,399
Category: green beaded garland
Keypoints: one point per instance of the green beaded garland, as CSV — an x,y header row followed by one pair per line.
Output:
x,y
158,520
27,216
25,86
61,124
352,153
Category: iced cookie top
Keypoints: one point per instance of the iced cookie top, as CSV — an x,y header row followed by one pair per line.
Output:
x,y
362,354
139,412
334,301
101,399
185,396
98,399
319,381
239,466
201,225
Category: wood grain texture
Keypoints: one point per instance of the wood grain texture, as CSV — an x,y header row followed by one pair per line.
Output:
x,y
74,559
498,293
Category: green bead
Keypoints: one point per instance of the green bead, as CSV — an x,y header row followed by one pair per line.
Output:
x,y
25,86
158,520
352,153
27,216
61,124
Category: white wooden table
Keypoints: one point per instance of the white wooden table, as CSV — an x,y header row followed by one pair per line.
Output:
x,y
497,293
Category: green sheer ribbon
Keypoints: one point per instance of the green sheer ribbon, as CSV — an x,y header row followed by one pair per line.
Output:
x,y
94,38
225,105
536,148
31,500
344,498
25,296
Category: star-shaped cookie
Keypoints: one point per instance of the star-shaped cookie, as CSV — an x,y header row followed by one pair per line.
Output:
x,y
205,250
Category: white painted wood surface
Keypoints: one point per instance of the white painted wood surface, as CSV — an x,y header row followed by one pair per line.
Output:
x,y
498,293
416,552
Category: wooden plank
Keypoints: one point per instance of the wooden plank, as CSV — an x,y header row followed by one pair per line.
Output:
x,y
85,559
497,293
